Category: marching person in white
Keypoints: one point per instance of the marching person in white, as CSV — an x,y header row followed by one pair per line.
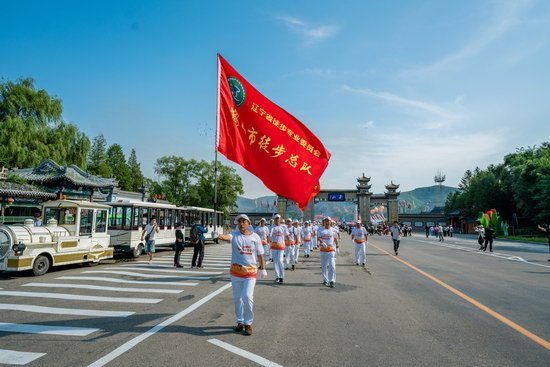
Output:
x,y
307,237
263,232
314,230
245,246
337,235
297,241
359,237
326,236
278,237
289,249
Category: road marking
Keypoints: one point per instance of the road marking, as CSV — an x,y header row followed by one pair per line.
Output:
x,y
64,311
138,339
18,358
78,297
537,339
222,261
45,329
154,265
126,281
156,276
102,288
477,251
152,268
243,353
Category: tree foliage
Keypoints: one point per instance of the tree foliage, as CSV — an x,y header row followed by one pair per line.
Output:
x,y
521,184
97,160
121,171
32,128
191,182
135,172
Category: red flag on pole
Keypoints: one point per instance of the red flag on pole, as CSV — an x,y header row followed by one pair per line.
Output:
x,y
266,140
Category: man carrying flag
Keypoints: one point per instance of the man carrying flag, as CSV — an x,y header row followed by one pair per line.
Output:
x,y
288,157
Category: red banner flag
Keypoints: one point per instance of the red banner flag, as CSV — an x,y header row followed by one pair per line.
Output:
x,y
266,140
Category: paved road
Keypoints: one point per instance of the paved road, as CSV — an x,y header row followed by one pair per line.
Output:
x,y
436,304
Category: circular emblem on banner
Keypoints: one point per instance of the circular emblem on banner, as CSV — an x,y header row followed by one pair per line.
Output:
x,y
237,90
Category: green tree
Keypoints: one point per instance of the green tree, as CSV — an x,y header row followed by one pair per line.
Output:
x,y
32,128
117,162
97,160
135,171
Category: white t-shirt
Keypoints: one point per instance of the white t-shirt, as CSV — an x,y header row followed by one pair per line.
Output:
x,y
278,234
307,232
395,232
296,234
263,232
149,230
359,233
326,236
244,248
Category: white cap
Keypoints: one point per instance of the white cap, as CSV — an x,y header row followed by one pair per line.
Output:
x,y
241,216
277,216
263,220
289,219
327,218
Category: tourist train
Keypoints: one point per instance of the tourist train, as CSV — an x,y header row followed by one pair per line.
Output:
x,y
75,231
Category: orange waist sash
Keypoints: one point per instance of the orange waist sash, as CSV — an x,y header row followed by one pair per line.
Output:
x,y
242,271
277,246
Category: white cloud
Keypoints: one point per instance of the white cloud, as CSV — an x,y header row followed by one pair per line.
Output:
x,y
431,108
367,125
311,34
508,16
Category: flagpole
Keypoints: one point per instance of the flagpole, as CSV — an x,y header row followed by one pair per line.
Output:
x,y
216,144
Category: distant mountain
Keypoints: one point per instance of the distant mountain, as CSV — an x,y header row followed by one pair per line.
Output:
x,y
425,198
419,199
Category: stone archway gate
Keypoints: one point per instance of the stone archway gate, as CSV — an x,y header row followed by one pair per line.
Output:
x,y
361,196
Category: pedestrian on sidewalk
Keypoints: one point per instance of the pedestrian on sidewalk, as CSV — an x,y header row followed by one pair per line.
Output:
x,y
395,236
178,245
427,229
148,234
440,233
197,239
246,247
489,234
480,236
451,230
359,236
546,229
278,237
326,236
263,232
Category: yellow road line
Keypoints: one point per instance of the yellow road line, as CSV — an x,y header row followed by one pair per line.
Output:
x,y
537,339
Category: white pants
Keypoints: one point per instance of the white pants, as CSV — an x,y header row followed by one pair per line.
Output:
x,y
289,255
307,247
360,253
277,256
296,253
243,297
266,252
328,266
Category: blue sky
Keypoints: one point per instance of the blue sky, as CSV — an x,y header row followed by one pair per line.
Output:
x,y
395,89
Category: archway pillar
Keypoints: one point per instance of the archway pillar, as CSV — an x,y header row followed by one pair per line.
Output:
x,y
309,212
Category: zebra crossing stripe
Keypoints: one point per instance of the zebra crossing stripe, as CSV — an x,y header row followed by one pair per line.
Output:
x,y
156,276
78,297
102,288
18,358
45,329
162,265
63,311
151,268
126,281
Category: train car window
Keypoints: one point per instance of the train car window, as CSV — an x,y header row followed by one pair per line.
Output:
x,y
137,214
86,221
161,219
101,221
127,218
145,216
52,213
170,218
115,220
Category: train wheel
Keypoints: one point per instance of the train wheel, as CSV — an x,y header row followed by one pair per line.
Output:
x,y
41,265
138,250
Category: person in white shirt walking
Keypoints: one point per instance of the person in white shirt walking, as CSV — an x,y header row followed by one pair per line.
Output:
x,y
246,247
297,241
326,237
359,237
263,232
395,232
278,237
149,233
307,235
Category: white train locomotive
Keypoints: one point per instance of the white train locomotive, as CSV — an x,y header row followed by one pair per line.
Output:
x,y
73,232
